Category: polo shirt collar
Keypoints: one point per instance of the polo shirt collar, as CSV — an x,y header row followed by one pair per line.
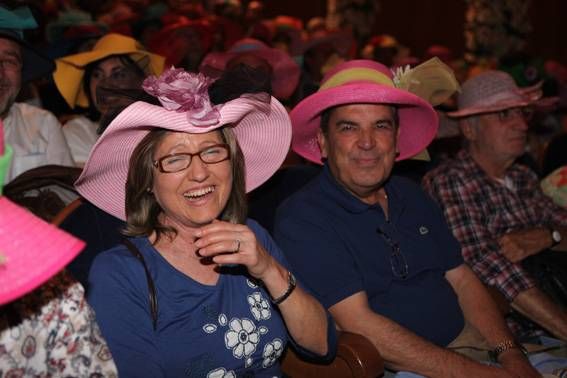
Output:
x,y
345,199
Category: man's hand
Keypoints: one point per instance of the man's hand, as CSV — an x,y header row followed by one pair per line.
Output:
x,y
515,363
518,245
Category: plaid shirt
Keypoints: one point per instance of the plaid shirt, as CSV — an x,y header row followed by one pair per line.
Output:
x,y
479,211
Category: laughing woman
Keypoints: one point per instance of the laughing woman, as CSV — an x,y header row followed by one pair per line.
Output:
x,y
197,289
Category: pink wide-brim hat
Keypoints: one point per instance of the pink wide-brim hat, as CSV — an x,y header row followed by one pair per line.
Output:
x,y
493,91
285,71
363,82
263,131
33,250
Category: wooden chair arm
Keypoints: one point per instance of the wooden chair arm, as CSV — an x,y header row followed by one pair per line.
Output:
x,y
361,355
356,357
64,213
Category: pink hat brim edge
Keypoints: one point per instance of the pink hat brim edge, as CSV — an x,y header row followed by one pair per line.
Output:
x,y
473,110
418,120
104,176
36,234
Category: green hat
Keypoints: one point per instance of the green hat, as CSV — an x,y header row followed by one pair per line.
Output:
x,y
12,24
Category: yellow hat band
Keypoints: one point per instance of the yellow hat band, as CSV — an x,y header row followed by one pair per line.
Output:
x,y
357,74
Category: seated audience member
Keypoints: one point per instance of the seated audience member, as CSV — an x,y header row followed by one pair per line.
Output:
x,y
34,133
196,288
115,61
47,329
372,247
283,70
184,43
495,206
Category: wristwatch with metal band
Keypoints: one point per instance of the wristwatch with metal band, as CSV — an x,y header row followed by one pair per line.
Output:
x,y
503,347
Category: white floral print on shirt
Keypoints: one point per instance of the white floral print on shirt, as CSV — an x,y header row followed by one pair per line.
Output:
x,y
272,352
259,306
221,373
242,337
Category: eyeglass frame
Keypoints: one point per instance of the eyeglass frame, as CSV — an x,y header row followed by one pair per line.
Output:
x,y
158,163
525,112
395,255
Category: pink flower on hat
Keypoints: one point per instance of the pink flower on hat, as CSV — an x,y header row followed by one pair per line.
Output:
x,y
183,91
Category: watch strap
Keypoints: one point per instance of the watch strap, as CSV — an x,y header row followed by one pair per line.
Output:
x,y
504,346
291,284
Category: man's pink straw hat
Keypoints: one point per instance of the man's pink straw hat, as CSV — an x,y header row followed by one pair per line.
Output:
x,y
262,128
493,91
363,82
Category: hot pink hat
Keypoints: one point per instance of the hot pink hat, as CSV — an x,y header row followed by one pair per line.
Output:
x,y
492,91
262,128
31,250
364,82
285,72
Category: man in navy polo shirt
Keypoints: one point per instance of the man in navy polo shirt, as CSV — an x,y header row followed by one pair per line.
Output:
x,y
374,249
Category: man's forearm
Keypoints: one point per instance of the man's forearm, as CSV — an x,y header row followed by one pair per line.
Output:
x,y
403,350
478,307
536,305
481,312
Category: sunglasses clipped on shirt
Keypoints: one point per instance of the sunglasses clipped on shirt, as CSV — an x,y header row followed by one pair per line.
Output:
x,y
398,262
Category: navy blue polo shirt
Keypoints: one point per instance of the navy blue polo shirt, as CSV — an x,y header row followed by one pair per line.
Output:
x,y
337,245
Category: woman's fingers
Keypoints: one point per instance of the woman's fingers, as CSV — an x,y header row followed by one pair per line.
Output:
x,y
227,243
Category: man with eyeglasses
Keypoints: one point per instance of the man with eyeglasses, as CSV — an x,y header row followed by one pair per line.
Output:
x,y
34,133
374,248
493,204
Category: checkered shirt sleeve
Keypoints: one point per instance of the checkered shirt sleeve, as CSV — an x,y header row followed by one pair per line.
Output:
x,y
465,214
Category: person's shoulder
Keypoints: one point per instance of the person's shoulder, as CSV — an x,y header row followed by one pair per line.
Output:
x,y
256,227
29,110
408,188
116,257
80,121
450,169
403,183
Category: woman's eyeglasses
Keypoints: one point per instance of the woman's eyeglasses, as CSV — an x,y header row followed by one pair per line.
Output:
x,y
178,162
398,261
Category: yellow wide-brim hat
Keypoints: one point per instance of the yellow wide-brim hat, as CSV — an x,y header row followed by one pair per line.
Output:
x,y
70,70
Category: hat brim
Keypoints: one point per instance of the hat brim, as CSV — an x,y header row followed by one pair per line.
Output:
x,y
34,251
263,132
35,65
418,120
70,71
285,71
521,97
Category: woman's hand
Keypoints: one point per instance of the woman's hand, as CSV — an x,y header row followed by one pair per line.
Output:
x,y
228,243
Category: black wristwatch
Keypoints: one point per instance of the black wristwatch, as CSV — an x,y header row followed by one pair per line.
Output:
x,y
291,284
